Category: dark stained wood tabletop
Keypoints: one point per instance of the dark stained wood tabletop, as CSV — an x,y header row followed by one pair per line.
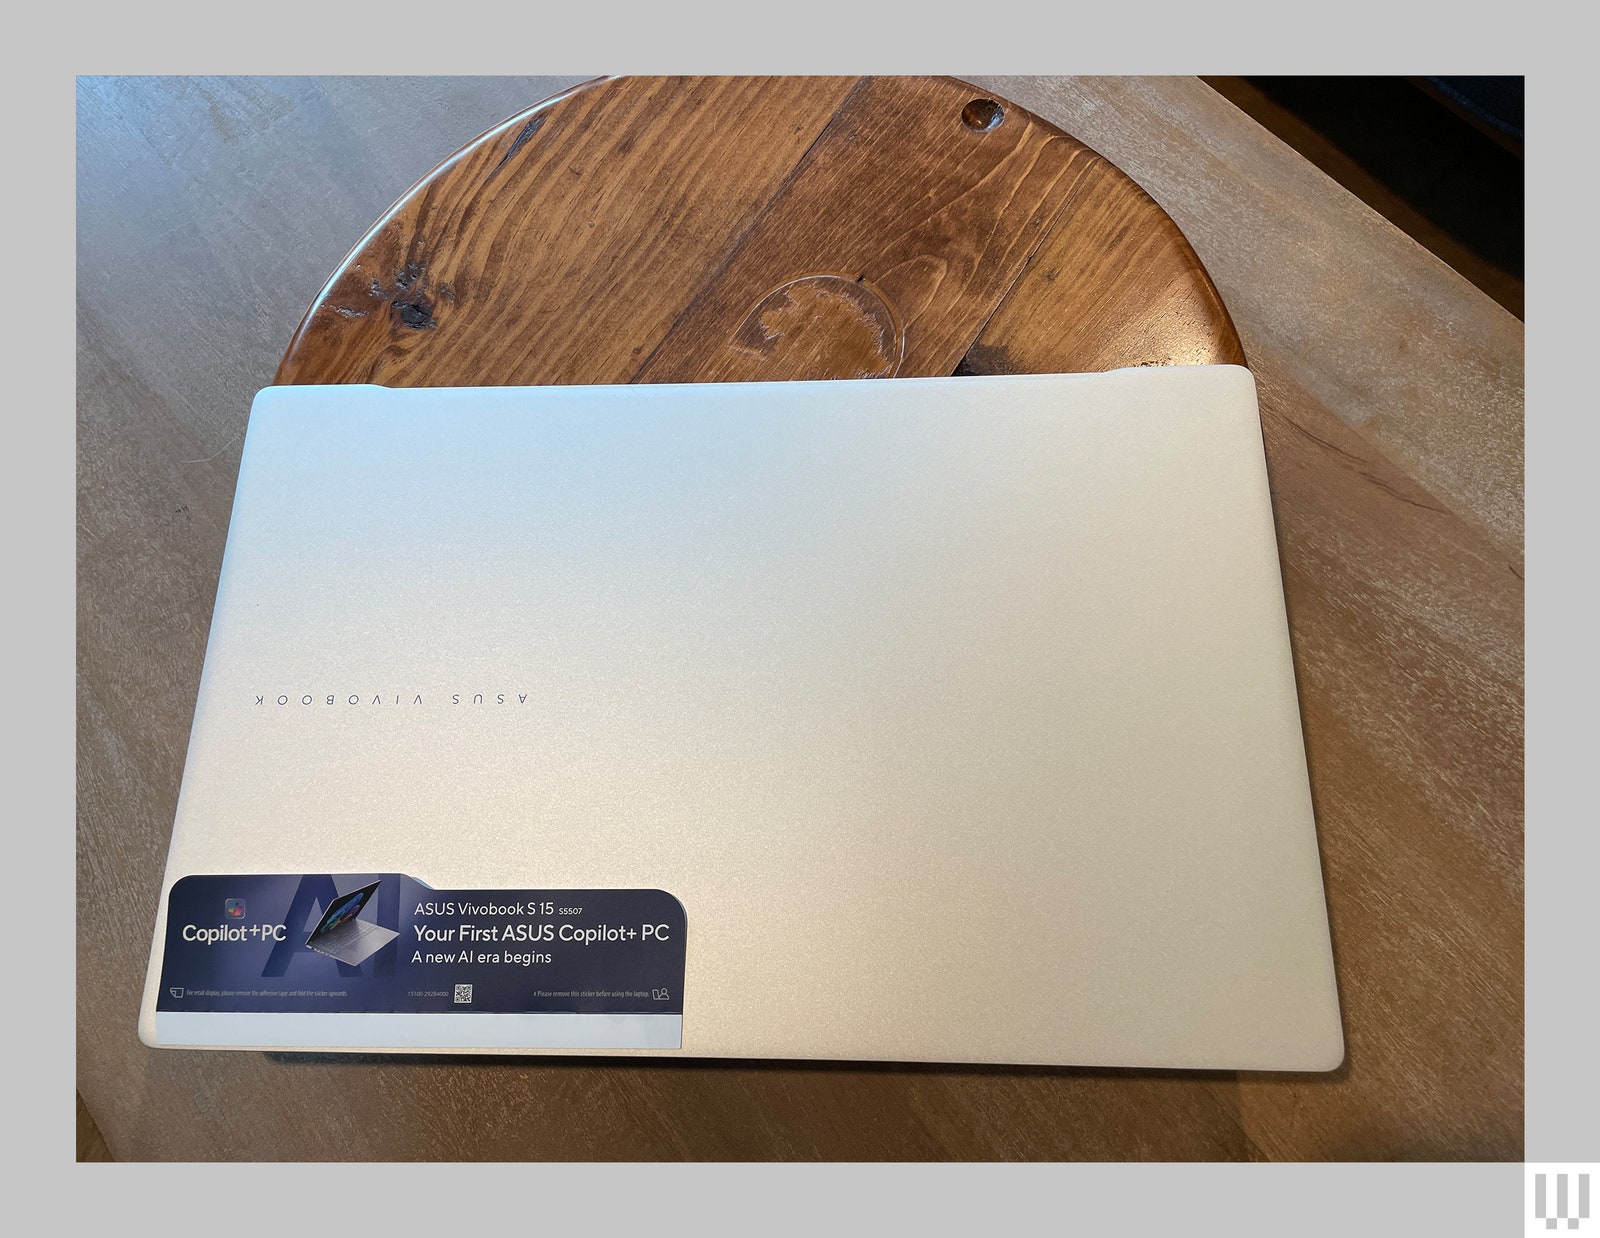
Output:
x,y
668,230
649,230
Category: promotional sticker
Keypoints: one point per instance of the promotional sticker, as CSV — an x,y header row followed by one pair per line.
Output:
x,y
381,960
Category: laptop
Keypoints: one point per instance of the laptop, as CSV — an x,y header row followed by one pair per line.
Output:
x,y
938,720
341,933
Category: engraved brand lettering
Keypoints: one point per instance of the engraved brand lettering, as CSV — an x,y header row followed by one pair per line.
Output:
x,y
355,698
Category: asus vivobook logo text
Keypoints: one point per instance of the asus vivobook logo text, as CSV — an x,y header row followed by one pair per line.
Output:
x,y
347,699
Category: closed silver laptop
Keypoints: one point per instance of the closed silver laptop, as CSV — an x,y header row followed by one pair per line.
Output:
x,y
958,716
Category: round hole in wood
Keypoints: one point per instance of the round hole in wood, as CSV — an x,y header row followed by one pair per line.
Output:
x,y
982,114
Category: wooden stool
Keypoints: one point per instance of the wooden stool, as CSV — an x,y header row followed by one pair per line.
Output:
x,y
675,230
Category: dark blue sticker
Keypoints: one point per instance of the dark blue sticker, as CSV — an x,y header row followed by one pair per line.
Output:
x,y
385,942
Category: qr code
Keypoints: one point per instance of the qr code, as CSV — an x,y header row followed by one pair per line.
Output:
x,y
463,994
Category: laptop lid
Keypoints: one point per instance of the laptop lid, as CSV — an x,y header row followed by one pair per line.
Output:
x,y
954,718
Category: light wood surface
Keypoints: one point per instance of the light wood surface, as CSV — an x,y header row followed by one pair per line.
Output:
x,y
1327,152
211,211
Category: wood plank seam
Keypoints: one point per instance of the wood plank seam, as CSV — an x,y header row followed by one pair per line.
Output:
x,y
1078,163
750,226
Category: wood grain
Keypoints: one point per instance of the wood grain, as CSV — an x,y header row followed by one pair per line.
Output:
x,y
1115,283
561,247
1507,289
1380,331
682,230
91,1144
1391,395
890,245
